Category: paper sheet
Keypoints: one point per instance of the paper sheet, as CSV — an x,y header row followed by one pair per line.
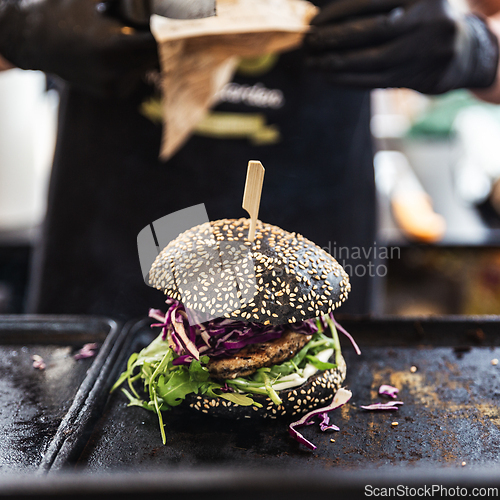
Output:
x,y
198,57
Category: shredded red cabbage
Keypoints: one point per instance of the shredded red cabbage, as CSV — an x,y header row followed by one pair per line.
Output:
x,y
391,405
339,400
346,333
388,390
217,338
226,388
38,362
87,351
325,425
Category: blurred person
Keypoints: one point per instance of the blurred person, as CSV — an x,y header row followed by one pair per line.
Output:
x,y
424,45
4,65
107,182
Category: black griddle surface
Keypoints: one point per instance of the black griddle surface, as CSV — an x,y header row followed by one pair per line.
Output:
x,y
451,413
34,403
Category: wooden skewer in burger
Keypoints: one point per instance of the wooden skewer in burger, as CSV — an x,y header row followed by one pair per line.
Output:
x,y
271,294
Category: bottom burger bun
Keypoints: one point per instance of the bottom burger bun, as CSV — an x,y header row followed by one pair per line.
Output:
x,y
317,391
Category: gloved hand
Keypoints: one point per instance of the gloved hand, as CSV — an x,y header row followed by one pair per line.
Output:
x,y
77,41
424,45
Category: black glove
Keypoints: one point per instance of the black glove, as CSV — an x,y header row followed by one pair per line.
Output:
x,y
77,41
424,45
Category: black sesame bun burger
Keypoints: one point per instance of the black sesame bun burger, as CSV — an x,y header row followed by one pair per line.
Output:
x,y
267,343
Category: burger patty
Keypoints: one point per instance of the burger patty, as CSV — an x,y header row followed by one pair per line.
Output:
x,y
255,356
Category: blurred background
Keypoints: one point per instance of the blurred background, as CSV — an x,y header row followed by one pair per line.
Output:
x,y
437,168
28,123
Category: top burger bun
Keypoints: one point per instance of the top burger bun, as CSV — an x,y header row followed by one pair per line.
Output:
x,y
282,277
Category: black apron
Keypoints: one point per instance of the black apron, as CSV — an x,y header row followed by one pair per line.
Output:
x,y
107,184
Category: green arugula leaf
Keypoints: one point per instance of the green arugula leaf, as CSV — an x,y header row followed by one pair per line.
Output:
x,y
174,388
135,401
127,373
320,365
284,369
243,384
239,399
160,417
154,351
235,397
197,372
299,357
335,338
270,390
147,374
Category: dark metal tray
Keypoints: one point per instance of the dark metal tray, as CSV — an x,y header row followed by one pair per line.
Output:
x,y
451,413
43,412
95,448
